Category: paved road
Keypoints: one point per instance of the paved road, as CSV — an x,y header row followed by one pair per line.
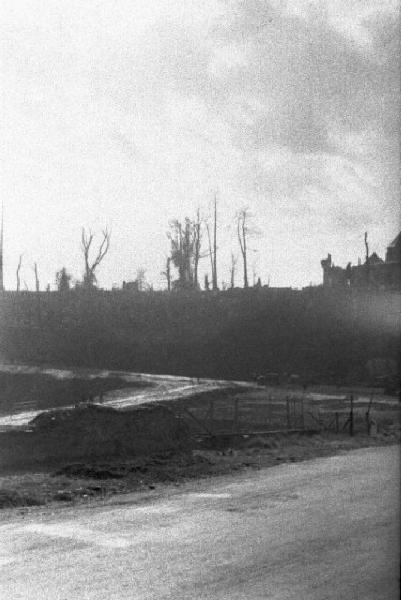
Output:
x,y
317,530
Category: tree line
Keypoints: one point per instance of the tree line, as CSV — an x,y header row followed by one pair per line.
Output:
x,y
191,241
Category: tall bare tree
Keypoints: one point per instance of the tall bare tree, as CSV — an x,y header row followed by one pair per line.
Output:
x,y
18,273
210,253
197,235
242,230
366,247
38,298
212,243
91,265
246,230
233,268
214,282
37,283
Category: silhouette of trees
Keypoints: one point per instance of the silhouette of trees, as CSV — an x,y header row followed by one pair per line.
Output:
x,y
90,279
185,247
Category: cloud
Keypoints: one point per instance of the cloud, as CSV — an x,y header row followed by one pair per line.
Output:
x,y
112,110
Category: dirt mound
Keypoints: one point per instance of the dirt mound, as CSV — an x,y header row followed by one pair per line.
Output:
x,y
70,417
13,498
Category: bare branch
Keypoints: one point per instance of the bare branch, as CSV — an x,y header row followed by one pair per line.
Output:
x,y
86,242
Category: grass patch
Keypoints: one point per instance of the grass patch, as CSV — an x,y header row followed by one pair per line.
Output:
x,y
86,482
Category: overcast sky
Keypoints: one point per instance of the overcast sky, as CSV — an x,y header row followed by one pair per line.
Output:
x,y
130,113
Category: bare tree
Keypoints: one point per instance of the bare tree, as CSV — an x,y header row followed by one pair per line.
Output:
x,y
210,253
242,230
197,235
167,273
366,247
38,299
233,269
35,270
18,273
91,266
212,243
214,282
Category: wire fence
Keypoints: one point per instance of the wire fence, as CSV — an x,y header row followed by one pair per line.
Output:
x,y
249,414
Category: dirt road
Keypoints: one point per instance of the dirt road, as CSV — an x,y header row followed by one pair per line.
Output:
x,y
163,387
324,529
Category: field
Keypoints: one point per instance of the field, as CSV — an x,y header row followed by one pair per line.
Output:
x,y
227,429
269,409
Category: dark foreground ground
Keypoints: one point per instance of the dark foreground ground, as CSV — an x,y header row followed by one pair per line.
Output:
x,y
228,409
89,482
324,529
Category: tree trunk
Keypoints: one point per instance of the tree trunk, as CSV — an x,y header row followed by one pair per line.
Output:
x,y
215,245
18,273
37,284
210,250
232,271
168,273
197,234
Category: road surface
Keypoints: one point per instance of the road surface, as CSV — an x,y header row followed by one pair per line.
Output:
x,y
319,530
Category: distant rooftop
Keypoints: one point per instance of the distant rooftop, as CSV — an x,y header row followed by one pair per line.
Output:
x,y
395,241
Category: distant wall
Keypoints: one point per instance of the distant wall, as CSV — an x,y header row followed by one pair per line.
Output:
x,y
317,333
93,434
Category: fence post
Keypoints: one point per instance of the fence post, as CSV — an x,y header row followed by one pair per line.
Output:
x,y
351,416
302,414
236,414
368,421
211,412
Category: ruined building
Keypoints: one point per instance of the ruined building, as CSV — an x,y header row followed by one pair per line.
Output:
x,y
374,273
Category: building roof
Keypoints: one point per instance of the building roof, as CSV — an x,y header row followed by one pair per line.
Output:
x,y
395,241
